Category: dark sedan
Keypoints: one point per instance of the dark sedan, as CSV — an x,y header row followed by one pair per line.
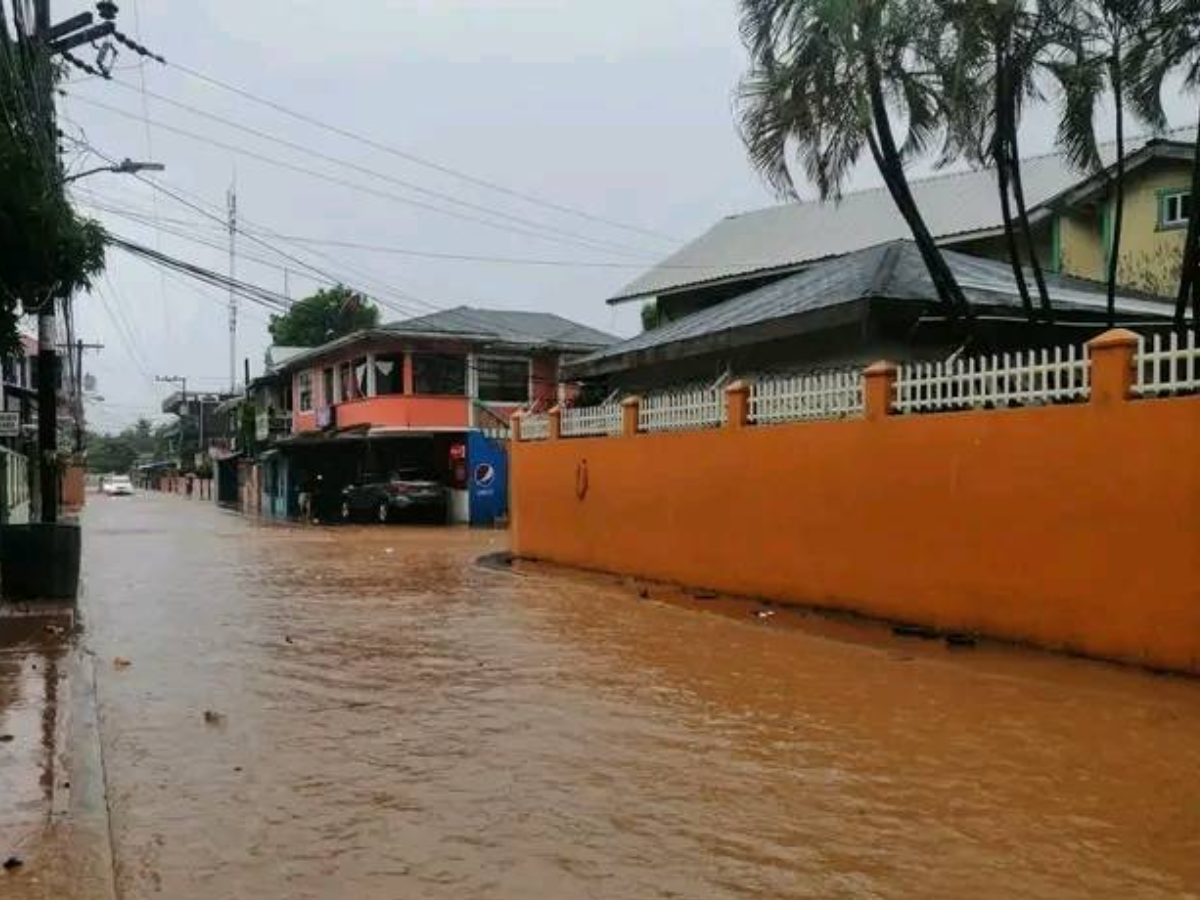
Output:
x,y
387,497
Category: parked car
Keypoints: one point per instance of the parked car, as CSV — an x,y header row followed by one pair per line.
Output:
x,y
387,497
118,486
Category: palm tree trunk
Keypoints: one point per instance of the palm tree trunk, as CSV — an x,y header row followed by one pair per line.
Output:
x,y
1114,250
1000,156
1191,253
891,166
1018,189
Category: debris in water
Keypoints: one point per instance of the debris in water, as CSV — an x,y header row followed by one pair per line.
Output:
x,y
705,595
5,738
765,613
212,717
288,639
389,550
121,662
959,639
924,632
644,593
13,862
56,630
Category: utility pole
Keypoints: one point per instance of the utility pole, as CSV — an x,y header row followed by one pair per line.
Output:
x,y
47,326
231,200
79,347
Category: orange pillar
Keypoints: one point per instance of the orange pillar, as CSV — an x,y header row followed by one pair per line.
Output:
x,y
737,404
880,378
630,409
555,416
515,425
1112,356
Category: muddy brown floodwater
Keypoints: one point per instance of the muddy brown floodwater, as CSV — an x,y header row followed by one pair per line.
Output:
x,y
392,720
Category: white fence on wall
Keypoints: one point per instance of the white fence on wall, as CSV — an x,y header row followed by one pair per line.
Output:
x,y
592,421
682,410
1028,378
799,398
1165,365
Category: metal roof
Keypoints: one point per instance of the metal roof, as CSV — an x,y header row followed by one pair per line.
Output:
x,y
507,326
958,205
892,272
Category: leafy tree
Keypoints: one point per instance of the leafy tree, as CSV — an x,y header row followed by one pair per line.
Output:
x,y
651,315
118,452
325,316
47,252
1169,44
826,80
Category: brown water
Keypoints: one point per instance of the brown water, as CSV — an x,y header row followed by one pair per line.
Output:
x,y
397,722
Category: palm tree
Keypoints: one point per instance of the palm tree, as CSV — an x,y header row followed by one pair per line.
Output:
x,y
1170,45
825,78
991,67
1093,38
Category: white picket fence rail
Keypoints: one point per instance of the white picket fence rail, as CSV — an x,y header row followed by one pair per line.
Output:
x,y
535,427
681,410
1028,378
798,398
592,421
1167,365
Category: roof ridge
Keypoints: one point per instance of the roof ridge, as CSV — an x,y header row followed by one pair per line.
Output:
x,y
1145,136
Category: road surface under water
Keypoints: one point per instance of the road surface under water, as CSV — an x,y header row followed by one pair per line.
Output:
x,y
391,720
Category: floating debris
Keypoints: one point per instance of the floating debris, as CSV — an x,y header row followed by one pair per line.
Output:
x,y
961,639
924,632
5,738
56,630
644,593
705,595
212,717
121,662
764,613
13,862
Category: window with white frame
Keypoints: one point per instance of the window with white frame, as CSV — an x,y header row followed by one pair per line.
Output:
x,y
502,380
1174,209
304,388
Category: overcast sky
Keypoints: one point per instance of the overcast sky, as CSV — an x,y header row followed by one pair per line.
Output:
x,y
620,109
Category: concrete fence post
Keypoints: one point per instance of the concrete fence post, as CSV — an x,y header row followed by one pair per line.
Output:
x,y
1112,355
878,382
630,410
737,404
515,425
555,416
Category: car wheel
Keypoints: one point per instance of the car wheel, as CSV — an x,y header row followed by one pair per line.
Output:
x,y
383,513
346,511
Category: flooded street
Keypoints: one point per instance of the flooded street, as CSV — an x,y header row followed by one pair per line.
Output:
x,y
389,719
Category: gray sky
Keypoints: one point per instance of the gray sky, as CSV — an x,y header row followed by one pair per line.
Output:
x,y
620,108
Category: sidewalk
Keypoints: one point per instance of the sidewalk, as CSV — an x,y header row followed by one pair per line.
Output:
x,y
53,816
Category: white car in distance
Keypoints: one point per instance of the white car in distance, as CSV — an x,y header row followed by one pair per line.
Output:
x,y
118,486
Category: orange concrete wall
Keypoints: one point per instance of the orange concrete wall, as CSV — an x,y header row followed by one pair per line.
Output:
x,y
405,412
1069,527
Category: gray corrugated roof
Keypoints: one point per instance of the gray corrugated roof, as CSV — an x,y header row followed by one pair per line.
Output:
x,y
506,326
892,271
782,237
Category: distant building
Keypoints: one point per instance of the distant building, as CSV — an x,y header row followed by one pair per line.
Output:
x,y
429,396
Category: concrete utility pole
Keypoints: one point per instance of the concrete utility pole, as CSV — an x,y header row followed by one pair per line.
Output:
x,y
47,326
231,200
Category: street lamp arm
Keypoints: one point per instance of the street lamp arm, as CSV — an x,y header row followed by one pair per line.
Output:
x,y
124,167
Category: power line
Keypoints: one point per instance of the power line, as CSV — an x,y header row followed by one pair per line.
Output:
x,y
420,161
556,235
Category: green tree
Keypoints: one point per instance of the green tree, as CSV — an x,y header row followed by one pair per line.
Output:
x,y
325,316
47,252
831,79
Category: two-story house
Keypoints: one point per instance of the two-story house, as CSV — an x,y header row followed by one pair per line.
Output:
x,y
425,396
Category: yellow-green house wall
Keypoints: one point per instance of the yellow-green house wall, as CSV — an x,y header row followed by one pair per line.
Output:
x,y
1150,256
